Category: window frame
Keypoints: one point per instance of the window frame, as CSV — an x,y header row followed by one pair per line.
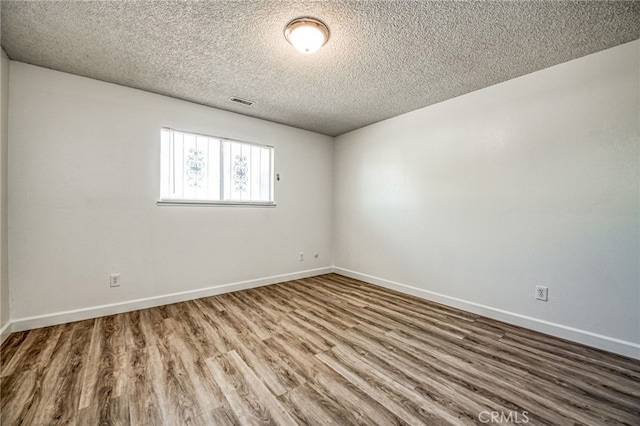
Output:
x,y
219,203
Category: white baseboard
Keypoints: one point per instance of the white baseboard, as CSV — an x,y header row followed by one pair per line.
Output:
x,y
606,343
5,331
29,323
588,338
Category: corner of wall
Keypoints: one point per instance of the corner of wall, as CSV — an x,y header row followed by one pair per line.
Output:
x,y
5,332
5,322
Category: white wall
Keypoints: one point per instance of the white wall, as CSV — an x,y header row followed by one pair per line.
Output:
x,y
84,175
471,202
476,200
4,143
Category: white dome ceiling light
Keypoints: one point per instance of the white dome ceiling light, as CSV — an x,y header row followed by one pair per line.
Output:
x,y
307,35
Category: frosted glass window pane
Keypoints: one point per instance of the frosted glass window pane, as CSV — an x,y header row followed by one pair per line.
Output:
x,y
205,168
165,163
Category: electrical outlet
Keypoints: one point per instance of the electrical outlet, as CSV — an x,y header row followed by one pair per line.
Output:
x,y
542,293
114,280
301,258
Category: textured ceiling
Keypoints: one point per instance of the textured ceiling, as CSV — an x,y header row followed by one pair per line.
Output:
x,y
384,58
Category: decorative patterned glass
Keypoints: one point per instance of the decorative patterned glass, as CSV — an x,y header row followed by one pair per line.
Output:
x,y
240,173
202,168
195,167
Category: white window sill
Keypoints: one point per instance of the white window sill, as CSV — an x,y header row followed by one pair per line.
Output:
x,y
215,203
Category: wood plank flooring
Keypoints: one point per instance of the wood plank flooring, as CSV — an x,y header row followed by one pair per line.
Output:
x,y
317,351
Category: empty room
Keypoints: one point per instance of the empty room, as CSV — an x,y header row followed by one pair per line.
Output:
x,y
342,212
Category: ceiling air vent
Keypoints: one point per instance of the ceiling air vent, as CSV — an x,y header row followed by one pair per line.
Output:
x,y
241,101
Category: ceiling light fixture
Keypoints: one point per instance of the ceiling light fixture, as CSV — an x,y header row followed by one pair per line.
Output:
x,y
307,35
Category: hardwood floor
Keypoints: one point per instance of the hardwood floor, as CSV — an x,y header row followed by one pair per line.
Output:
x,y
318,351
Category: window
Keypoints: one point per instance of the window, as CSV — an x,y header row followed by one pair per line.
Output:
x,y
203,169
